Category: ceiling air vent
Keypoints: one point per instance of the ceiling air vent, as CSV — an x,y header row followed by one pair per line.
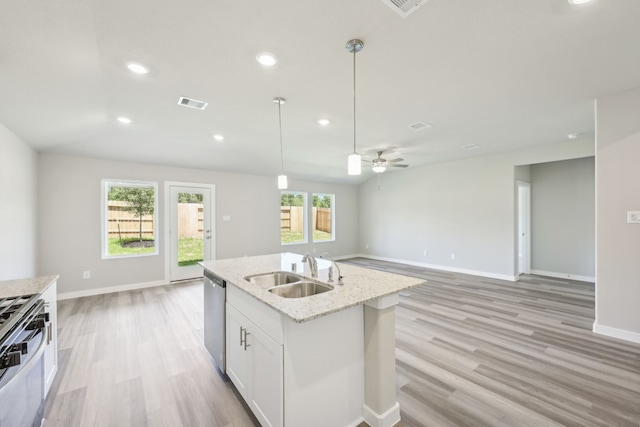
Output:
x,y
404,8
420,126
192,103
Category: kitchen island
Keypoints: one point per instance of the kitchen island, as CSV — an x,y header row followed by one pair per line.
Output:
x,y
326,359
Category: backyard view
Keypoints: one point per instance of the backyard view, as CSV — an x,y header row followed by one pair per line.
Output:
x,y
131,230
292,221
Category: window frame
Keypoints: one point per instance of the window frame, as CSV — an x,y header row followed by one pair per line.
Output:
x,y
333,217
305,217
106,184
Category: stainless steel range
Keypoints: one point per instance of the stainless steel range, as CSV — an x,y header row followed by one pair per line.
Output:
x,y
22,343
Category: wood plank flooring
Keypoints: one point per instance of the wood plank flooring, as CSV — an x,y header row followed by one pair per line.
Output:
x,y
470,351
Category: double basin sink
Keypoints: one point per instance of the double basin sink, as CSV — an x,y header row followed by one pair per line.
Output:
x,y
288,285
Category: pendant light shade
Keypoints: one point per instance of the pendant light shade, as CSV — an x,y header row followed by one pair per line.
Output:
x,y
282,178
282,182
354,164
354,161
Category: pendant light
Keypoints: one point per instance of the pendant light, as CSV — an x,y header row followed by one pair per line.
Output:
x,y
282,178
354,161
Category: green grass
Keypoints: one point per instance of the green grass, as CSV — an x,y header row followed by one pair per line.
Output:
x,y
297,237
189,250
116,249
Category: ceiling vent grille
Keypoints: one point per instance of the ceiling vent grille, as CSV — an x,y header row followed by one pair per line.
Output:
x,y
192,103
404,8
420,126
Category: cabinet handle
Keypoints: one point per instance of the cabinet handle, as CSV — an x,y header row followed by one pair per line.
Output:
x,y
49,334
242,336
245,340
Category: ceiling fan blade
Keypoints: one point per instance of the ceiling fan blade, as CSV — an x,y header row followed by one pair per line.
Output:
x,y
395,160
398,166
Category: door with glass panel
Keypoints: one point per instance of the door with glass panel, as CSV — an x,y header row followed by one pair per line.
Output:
x,y
191,235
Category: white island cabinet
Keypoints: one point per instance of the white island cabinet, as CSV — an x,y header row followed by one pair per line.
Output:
x,y
322,360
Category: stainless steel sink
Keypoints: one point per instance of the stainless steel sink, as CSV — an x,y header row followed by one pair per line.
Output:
x,y
269,280
300,289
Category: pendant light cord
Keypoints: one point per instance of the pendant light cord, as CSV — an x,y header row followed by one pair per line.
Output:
x,y
354,99
280,127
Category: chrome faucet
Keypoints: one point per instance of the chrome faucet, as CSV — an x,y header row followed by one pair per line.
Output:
x,y
313,264
333,264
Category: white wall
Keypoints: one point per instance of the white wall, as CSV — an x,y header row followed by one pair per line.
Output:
x,y
17,207
466,208
618,191
69,224
563,218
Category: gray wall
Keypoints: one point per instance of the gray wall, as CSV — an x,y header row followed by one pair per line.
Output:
x,y
618,191
465,207
563,218
18,207
69,219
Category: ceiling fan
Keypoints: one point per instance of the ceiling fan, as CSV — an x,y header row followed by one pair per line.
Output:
x,y
380,165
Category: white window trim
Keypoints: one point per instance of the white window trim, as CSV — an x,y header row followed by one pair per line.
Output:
x,y
106,183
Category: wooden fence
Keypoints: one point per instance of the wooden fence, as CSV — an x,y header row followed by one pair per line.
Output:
x,y
292,219
127,225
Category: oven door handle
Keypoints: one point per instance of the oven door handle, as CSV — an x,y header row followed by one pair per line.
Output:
x,y
33,357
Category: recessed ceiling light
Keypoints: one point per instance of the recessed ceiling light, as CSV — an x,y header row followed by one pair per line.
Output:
x,y
266,59
471,146
124,120
218,137
573,135
324,122
137,68
578,1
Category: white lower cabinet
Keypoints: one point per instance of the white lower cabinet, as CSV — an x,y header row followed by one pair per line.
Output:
x,y
255,365
50,355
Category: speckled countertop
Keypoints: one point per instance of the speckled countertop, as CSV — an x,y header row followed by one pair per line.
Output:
x,y
360,284
36,285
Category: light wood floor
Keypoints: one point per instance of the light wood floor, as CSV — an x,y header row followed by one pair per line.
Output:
x,y
470,352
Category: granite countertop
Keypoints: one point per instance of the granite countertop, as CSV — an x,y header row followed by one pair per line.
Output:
x,y
360,284
36,285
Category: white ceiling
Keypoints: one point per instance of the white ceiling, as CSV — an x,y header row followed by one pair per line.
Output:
x,y
504,74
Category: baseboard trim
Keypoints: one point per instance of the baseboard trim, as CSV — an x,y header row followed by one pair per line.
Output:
x,y
564,276
443,268
616,333
389,419
110,289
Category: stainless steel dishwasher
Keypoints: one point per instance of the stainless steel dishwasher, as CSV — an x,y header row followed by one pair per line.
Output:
x,y
215,297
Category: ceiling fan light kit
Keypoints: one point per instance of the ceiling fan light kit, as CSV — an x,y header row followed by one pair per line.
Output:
x,y
354,161
282,178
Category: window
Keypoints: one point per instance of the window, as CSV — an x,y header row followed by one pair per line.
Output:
x,y
323,217
293,207
129,218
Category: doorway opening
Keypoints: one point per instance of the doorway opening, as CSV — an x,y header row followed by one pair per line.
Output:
x,y
524,227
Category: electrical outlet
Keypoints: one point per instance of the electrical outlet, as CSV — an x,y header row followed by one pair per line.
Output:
x,y
366,246
314,250
426,253
633,217
453,257
86,274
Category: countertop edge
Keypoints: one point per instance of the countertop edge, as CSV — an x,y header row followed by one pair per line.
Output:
x,y
26,286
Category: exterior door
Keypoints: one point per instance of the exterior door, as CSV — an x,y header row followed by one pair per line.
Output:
x,y
191,235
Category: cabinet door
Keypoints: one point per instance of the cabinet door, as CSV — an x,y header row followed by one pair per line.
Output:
x,y
266,374
237,360
51,337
